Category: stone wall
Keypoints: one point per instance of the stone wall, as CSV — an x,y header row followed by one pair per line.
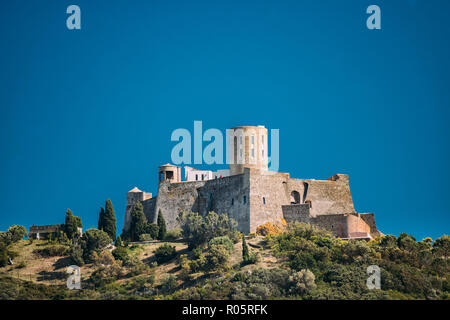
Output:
x,y
335,223
228,195
296,213
259,196
176,197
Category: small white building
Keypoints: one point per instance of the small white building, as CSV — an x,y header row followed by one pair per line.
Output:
x,y
192,174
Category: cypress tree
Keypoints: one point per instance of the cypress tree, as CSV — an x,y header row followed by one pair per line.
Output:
x,y
70,225
101,219
162,226
245,254
109,224
138,222
119,242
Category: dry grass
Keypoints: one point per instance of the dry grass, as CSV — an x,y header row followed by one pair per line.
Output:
x,y
51,270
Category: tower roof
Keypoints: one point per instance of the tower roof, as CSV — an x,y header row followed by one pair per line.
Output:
x,y
135,189
168,165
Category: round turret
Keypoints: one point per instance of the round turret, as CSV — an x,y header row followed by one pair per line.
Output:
x,y
248,148
169,173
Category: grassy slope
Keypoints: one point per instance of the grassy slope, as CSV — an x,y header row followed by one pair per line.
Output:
x,y
51,270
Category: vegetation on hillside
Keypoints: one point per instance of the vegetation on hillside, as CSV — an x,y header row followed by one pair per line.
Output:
x,y
215,261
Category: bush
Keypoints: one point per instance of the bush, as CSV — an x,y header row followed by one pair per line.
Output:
x,y
52,251
197,253
145,237
173,234
198,230
152,230
168,283
3,255
14,234
252,258
94,240
302,282
120,253
269,228
217,258
76,254
225,241
105,275
165,253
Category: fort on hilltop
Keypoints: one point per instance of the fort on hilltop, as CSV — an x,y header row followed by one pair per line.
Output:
x,y
252,195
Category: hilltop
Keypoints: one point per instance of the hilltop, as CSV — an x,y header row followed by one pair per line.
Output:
x,y
299,262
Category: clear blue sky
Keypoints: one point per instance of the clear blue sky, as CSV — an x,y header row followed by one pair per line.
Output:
x,y
87,115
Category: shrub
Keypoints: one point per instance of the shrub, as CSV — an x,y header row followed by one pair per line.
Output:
x,y
76,254
269,228
145,237
225,241
173,234
197,253
120,253
198,230
135,265
105,258
94,240
152,230
217,258
52,251
105,275
3,255
165,253
168,283
302,282
14,234
252,258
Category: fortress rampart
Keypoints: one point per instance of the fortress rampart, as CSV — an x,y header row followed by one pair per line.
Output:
x,y
252,196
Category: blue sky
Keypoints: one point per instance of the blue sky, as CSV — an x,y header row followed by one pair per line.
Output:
x,y
87,115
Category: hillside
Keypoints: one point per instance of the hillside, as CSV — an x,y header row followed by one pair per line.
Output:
x,y
300,263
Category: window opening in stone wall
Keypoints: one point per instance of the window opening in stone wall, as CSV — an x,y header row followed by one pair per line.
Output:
x,y
295,197
305,191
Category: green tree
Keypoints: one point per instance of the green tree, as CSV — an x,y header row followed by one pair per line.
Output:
x,y
110,220
14,234
101,219
245,253
71,225
302,282
94,240
162,226
441,246
223,240
198,230
152,230
3,255
119,242
138,222
217,258
165,253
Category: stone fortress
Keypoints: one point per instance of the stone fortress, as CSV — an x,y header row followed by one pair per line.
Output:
x,y
252,195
